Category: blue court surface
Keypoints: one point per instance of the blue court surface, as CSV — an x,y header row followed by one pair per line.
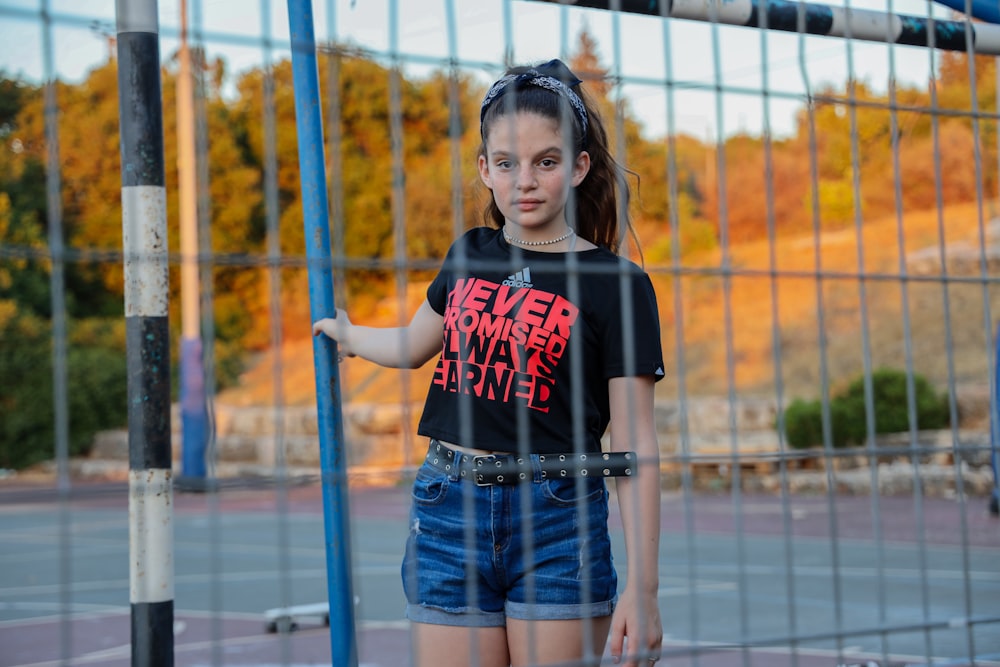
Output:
x,y
812,581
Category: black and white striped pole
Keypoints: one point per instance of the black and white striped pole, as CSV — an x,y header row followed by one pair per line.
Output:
x,y
144,237
817,19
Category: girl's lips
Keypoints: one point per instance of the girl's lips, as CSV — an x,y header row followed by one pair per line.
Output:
x,y
527,204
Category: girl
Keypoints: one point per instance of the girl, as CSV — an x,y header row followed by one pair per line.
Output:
x,y
544,336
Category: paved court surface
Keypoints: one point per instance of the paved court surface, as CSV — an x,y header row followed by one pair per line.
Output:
x,y
755,583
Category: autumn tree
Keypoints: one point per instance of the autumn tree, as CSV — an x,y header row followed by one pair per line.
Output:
x,y
24,276
971,92
443,198
644,161
95,360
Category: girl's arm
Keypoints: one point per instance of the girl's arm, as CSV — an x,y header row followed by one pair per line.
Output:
x,y
637,616
395,347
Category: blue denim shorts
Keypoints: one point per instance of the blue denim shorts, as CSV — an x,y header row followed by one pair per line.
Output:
x,y
538,550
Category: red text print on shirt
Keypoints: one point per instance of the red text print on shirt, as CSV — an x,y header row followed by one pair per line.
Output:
x,y
503,343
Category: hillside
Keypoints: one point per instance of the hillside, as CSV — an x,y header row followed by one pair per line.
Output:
x,y
849,280
841,276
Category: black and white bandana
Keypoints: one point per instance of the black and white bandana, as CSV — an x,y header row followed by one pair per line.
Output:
x,y
542,77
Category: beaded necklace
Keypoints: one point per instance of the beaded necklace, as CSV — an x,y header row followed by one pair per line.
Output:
x,y
514,239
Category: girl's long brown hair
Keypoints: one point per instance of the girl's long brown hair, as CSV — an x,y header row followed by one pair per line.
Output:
x,y
593,210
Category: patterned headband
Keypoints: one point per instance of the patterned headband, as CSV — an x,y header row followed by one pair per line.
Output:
x,y
549,76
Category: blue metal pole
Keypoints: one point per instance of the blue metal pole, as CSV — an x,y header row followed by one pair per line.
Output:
x,y
194,412
984,10
194,416
995,430
315,213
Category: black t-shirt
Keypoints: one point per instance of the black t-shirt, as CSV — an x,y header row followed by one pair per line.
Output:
x,y
520,327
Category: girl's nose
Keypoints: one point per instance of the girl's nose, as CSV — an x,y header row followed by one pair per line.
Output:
x,y
526,177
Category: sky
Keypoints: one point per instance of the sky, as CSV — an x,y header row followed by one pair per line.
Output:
x,y
426,34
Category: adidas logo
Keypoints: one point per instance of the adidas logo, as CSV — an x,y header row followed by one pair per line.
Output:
x,y
520,279
659,370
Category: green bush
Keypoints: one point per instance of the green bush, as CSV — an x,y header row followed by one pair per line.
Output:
x,y
804,424
96,385
803,419
891,405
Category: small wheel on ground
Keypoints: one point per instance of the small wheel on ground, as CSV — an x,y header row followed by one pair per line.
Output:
x,y
284,625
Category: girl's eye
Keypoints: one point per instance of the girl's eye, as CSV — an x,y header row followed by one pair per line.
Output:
x,y
504,164
548,162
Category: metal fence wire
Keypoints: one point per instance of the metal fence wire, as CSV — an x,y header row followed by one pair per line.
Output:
x,y
814,200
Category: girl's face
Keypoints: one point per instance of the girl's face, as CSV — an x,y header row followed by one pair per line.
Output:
x,y
530,173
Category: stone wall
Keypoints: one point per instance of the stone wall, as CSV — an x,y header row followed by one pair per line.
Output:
x,y
384,435
712,436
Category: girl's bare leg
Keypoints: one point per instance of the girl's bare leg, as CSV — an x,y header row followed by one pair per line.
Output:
x,y
550,642
456,646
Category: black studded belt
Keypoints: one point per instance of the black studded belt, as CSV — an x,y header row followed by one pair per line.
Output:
x,y
486,470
